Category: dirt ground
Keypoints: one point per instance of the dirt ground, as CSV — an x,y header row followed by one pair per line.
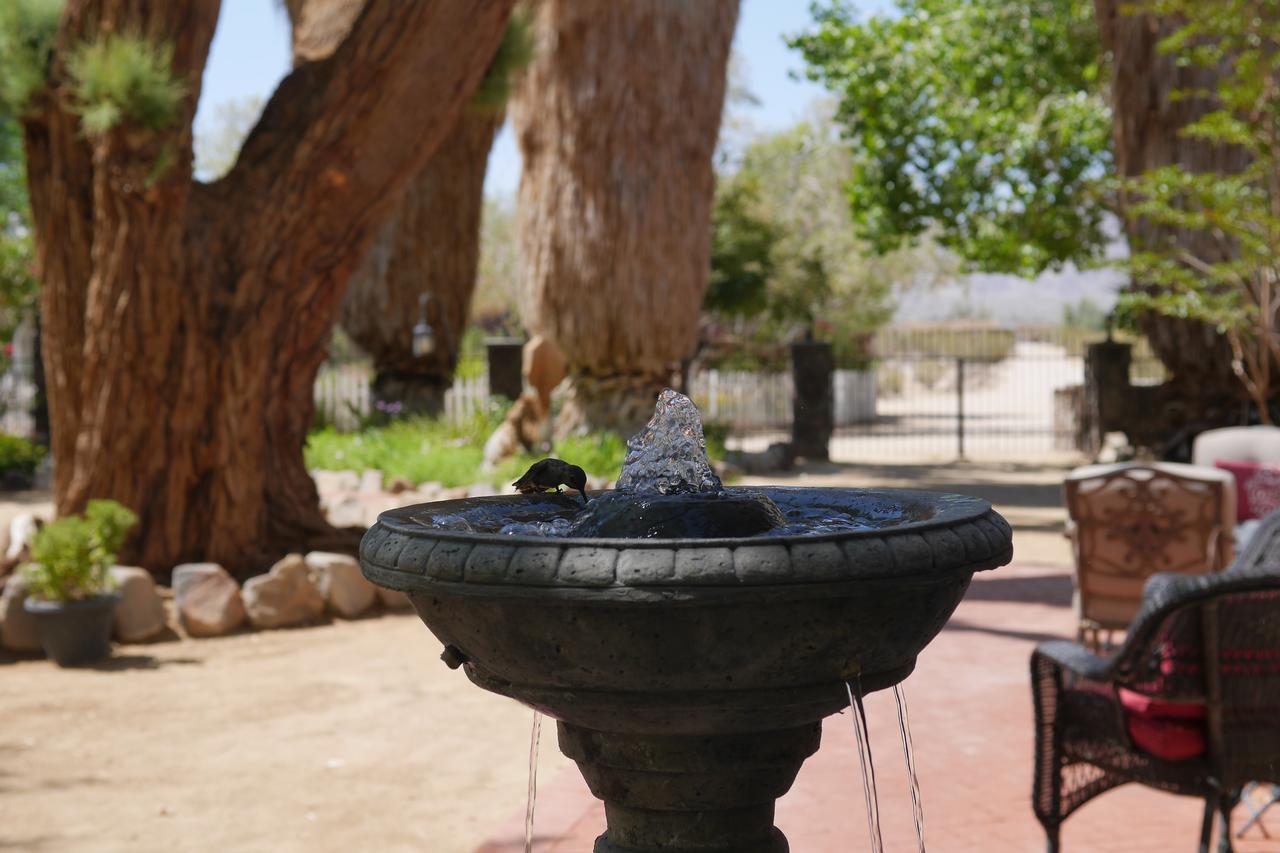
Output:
x,y
349,736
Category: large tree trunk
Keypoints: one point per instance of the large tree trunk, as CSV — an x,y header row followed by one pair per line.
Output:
x,y
617,119
1148,117
430,246
183,322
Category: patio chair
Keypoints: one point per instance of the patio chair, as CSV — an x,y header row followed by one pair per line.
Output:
x,y
1186,705
1127,522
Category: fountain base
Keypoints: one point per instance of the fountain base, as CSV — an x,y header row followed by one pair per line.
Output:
x,y
672,793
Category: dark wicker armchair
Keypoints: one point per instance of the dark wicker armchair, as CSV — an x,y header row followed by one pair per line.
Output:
x,y
1189,704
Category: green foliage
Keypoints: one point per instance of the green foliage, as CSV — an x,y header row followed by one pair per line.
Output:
x,y
17,252
71,556
515,51
785,254
429,450
19,454
742,245
27,31
979,122
125,78
1228,273
1085,315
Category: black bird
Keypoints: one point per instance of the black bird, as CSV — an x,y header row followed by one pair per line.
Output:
x,y
547,474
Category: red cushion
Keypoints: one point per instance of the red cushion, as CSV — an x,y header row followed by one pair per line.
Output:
x,y
1257,487
1163,709
1170,730
1172,740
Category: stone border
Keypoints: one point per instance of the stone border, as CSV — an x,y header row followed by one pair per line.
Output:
x,y
395,555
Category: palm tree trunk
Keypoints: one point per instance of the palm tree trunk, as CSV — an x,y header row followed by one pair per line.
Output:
x,y
617,119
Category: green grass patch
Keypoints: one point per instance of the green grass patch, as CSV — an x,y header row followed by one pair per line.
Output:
x,y
427,450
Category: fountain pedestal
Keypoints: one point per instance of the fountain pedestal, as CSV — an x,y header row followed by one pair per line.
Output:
x,y
711,794
690,676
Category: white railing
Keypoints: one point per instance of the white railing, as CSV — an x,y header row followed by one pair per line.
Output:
x,y
742,400
342,396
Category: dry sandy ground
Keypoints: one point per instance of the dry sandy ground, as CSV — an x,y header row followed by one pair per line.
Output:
x,y
345,737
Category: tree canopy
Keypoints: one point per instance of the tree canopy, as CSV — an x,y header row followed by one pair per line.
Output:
x,y
979,122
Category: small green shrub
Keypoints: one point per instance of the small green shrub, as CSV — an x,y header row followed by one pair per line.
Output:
x,y
71,556
125,78
18,454
27,31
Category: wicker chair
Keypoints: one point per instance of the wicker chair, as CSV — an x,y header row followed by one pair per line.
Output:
x,y
1186,705
1129,521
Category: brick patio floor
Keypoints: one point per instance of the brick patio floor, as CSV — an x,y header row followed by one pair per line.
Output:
x,y
970,708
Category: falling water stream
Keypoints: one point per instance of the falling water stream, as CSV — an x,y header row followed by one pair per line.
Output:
x,y
909,756
869,794
532,796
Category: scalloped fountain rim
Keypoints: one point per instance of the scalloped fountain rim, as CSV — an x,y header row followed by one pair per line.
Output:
x,y
965,535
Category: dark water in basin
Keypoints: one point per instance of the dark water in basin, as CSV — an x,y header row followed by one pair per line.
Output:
x,y
801,511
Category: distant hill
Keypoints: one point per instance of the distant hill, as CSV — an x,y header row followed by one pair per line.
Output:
x,y
1008,298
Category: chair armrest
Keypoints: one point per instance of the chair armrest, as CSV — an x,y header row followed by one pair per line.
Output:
x,y
1075,658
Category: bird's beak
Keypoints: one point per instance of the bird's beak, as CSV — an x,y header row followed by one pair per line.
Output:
x,y
583,492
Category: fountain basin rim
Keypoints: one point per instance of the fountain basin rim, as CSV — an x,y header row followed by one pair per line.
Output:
x,y
958,508
965,535
672,594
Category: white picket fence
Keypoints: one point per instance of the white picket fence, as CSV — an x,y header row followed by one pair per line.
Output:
x,y
342,396
742,400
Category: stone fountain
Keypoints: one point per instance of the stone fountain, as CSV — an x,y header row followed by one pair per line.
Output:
x,y
688,639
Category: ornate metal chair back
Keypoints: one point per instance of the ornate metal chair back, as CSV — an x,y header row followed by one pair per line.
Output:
x,y
1130,521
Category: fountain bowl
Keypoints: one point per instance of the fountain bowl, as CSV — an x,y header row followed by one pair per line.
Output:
x,y
689,677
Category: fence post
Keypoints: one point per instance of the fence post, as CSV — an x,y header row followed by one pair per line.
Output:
x,y
812,418
506,357
960,408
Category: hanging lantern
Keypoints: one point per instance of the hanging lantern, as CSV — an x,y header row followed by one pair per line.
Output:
x,y
424,337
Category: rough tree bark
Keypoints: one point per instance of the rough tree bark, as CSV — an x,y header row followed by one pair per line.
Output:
x,y
430,245
184,322
1147,117
617,119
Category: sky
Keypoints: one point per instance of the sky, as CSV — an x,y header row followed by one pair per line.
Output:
x,y
250,53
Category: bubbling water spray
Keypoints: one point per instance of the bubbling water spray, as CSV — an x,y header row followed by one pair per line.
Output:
x,y
863,736
534,737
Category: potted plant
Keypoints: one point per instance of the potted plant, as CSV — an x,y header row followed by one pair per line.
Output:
x,y
69,581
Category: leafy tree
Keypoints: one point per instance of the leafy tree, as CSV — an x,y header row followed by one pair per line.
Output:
x,y
784,250
979,122
1228,278
742,246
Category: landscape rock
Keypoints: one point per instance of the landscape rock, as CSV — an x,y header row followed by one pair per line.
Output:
x,y
335,482
394,599
18,632
348,511
284,596
139,614
400,485
777,457
371,481
344,588
207,599
482,490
